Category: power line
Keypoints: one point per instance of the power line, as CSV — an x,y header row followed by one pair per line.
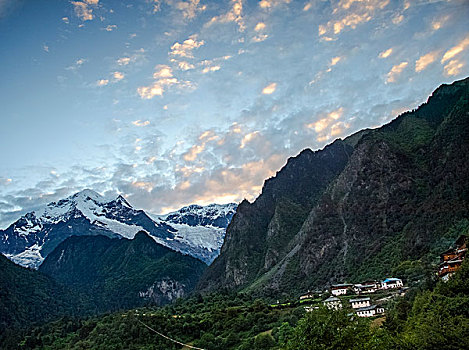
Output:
x,y
168,338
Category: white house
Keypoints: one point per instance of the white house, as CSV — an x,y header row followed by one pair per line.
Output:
x,y
391,283
366,287
332,303
359,303
308,295
340,289
370,311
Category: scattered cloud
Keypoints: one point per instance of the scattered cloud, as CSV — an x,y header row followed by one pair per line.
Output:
x,y
102,82
83,10
66,20
269,4
183,65
78,63
45,48
163,79
440,22
110,28
395,72
269,89
335,60
329,126
118,76
235,14
425,60
453,67
455,50
259,26
141,123
349,14
185,49
138,55
210,69
385,53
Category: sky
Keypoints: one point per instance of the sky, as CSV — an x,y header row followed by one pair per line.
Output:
x,y
174,102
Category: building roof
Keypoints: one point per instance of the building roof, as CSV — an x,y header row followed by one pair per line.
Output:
x,y
367,308
357,300
331,299
343,285
359,285
391,279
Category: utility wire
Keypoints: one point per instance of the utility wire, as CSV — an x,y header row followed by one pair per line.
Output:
x,y
168,338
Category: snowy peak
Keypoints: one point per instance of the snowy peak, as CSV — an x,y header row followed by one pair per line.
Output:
x,y
216,215
195,230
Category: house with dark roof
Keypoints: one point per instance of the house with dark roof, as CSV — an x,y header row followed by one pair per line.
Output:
x,y
340,289
391,283
451,259
370,311
332,303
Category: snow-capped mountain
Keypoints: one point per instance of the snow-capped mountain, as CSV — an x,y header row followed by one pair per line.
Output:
x,y
198,230
32,237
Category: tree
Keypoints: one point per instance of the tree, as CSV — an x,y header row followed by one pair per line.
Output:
x,y
325,329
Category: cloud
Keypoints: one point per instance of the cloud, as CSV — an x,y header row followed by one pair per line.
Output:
x,y
110,28
66,20
269,4
425,60
269,89
349,14
210,69
183,65
235,15
78,63
141,122
185,49
138,55
118,76
189,8
453,67
440,22
83,10
335,60
164,78
385,53
396,71
102,82
259,26
5,181
455,50
45,48
328,126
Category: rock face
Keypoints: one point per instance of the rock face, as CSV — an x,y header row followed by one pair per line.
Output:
x,y
122,273
357,208
164,290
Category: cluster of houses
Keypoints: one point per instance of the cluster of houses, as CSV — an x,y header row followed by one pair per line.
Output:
x,y
366,287
362,305
451,260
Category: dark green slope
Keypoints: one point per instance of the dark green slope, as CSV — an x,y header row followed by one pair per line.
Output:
x,y
28,297
257,237
122,273
397,195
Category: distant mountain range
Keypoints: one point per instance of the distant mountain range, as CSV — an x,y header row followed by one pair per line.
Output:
x,y
194,230
357,209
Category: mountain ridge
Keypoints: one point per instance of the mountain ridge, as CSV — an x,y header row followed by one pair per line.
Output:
x,y
388,202
33,236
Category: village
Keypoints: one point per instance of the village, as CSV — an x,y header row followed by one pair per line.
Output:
x,y
367,299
